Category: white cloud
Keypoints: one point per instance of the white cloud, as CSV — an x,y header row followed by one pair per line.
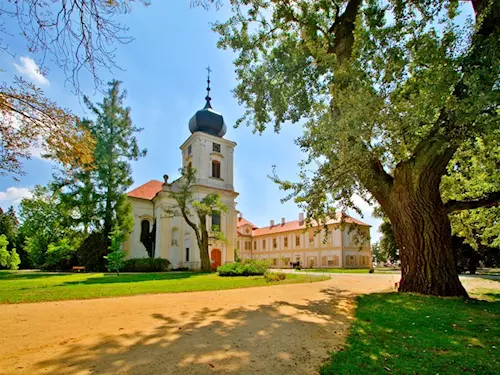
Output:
x,y
13,196
31,69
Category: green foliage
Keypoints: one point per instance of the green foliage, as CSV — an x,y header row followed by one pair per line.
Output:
x,y
91,252
389,92
146,265
274,276
247,268
8,259
116,255
406,334
14,260
44,221
59,255
377,256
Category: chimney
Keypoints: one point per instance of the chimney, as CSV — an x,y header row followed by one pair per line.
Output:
x,y
271,223
301,217
282,221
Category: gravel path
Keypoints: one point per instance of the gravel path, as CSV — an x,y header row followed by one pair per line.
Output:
x,y
286,329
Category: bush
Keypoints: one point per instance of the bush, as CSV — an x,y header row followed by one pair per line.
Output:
x,y
116,254
298,268
371,270
92,251
58,256
274,276
247,268
146,265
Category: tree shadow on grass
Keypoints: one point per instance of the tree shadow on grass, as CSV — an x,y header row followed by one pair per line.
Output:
x,y
134,278
27,275
280,337
405,334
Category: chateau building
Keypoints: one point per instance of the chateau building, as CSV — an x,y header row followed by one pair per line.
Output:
x,y
157,234
345,243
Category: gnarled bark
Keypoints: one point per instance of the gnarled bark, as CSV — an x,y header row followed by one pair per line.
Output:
x,y
423,233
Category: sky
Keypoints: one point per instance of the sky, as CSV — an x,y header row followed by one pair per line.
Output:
x,y
163,71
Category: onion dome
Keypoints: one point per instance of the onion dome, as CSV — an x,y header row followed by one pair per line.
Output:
x,y
207,120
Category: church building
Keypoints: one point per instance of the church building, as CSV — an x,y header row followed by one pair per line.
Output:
x,y
157,234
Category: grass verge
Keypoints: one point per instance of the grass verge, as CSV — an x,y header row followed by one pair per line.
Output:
x,y
19,287
412,334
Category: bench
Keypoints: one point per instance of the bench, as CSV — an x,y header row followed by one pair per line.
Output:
x,y
78,268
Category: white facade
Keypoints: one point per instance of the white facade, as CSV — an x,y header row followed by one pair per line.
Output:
x,y
175,240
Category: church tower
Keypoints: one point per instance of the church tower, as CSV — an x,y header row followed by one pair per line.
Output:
x,y
207,150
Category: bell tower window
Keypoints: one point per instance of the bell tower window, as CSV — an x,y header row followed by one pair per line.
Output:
x,y
215,147
215,169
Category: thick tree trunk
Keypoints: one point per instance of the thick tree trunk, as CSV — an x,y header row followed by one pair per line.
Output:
x,y
423,234
204,256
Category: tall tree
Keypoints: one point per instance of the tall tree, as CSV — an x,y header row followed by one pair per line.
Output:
x,y
195,212
116,146
390,92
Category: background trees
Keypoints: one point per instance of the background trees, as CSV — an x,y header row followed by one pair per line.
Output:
x,y
390,93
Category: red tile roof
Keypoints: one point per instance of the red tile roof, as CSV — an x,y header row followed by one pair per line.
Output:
x,y
147,191
296,225
242,221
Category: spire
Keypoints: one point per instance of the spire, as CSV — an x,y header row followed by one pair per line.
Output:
x,y
208,98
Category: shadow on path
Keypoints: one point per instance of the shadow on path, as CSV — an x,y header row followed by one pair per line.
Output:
x,y
280,337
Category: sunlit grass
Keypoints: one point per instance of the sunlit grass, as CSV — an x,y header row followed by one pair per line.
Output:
x,y
17,287
413,334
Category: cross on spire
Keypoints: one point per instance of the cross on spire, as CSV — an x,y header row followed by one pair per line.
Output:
x,y
208,98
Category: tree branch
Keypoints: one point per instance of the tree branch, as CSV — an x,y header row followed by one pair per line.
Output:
x,y
489,200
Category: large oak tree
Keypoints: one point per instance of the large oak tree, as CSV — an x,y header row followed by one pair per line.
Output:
x,y
389,93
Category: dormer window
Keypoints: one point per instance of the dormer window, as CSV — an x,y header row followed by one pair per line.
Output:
x,y
215,147
215,169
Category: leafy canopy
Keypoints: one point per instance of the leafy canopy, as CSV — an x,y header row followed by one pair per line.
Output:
x,y
373,82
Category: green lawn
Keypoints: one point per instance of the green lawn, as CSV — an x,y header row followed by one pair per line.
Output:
x,y
411,334
16,287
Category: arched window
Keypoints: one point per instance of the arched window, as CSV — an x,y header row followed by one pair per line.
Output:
x,y
148,236
215,169
216,221
190,165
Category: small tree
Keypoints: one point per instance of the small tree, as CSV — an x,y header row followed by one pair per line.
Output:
x,y
116,255
8,259
187,206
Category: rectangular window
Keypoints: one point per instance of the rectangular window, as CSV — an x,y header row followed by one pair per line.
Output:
x,y
189,150
215,169
216,221
216,147
285,242
187,254
275,243
286,261
311,238
248,245
264,244
255,245
297,241
275,262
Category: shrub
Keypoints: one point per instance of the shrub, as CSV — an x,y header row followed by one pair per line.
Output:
x,y
116,254
58,255
146,265
298,268
247,268
9,260
91,252
371,270
274,276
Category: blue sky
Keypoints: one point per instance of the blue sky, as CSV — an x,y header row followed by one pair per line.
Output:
x,y
164,74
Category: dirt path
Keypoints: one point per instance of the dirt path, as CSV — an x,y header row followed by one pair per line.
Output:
x,y
286,329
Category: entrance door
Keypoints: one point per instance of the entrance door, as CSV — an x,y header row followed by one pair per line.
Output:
x,y
216,257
